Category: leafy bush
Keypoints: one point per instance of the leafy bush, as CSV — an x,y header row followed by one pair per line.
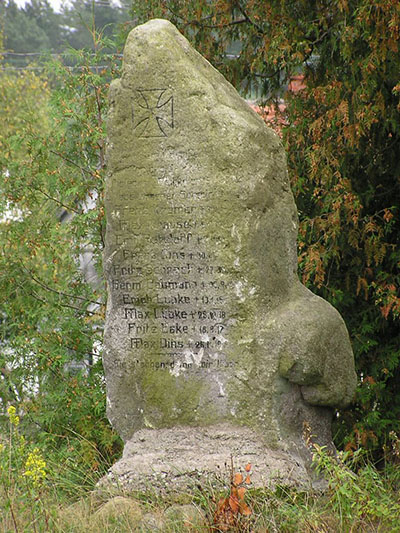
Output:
x,y
53,298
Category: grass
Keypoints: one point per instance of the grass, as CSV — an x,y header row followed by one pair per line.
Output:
x,y
284,510
39,492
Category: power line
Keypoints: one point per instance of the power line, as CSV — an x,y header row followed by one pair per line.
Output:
x,y
54,55
92,67
24,54
43,54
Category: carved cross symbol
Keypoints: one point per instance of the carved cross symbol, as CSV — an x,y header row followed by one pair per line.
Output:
x,y
153,112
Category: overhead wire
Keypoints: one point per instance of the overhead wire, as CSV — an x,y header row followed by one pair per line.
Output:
x,y
44,55
43,68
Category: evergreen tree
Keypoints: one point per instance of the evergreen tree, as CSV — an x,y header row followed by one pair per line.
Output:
x,y
36,28
50,22
22,33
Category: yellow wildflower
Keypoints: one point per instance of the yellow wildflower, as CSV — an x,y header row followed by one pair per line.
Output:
x,y
35,467
14,418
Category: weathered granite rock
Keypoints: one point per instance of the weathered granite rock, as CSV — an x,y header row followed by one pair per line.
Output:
x,y
117,508
208,326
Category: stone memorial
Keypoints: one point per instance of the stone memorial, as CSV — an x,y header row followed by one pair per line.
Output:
x,y
212,346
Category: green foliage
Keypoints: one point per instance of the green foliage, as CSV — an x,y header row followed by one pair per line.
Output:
x,y
22,477
52,223
24,32
81,13
35,29
357,497
361,496
342,136
39,484
42,490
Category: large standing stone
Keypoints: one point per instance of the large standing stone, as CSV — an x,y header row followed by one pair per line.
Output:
x,y
208,326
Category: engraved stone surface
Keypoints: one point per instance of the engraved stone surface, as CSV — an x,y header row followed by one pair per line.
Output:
x,y
152,112
207,326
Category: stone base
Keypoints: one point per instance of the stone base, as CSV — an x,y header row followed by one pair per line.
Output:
x,y
181,458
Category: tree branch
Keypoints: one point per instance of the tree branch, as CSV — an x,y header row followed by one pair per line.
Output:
x,y
72,162
215,26
58,202
248,19
100,124
59,292
199,22
86,311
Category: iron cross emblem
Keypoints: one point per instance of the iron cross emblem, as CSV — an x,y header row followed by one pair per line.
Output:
x,y
153,112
